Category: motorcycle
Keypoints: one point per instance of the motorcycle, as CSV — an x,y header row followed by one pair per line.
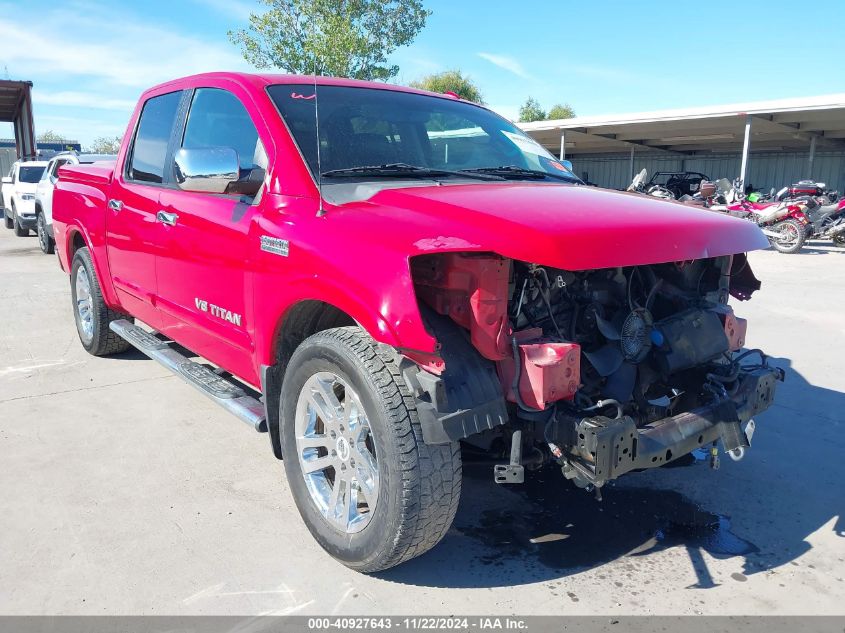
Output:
x,y
638,186
704,197
827,222
784,223
817,190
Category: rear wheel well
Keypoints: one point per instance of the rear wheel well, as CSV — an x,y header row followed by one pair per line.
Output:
x,y
299,322
77,242
74,242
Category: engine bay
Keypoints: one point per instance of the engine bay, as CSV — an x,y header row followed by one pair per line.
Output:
x,y
591,362
644,338
646,333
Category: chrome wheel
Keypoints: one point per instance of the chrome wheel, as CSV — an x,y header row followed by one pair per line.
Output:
x,y
83,305
336,453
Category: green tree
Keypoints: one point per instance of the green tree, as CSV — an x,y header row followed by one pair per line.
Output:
x,y
49,136
450,81
561,111
105,145
531,111
344,38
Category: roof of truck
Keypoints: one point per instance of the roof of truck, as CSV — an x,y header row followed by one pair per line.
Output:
x,y
268,79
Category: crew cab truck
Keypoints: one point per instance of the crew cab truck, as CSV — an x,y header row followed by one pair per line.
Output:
x,y
375,275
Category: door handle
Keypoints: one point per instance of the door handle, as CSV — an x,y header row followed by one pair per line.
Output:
x,y
115,205
167,218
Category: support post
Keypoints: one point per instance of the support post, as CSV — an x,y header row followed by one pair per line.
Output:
x,y
562,146
812,156
745,144
631,164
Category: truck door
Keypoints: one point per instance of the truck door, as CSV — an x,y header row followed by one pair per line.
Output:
x,y
202,263
131,228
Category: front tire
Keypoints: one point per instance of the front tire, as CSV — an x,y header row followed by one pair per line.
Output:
x,y
90,311
44,240
370,491
792,237
19,230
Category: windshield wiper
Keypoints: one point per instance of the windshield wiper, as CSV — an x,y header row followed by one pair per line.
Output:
x,y
512,171
403,170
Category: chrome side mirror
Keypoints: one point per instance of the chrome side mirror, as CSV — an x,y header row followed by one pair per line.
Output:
x,y
206,169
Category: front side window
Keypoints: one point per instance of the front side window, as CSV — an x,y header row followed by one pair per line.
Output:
x,y
365,127
30,174
218,119
149,151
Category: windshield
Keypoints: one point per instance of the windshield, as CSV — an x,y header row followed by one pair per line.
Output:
x,y
30,174
366,127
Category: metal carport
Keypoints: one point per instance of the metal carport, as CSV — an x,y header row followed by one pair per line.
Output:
x,y
766,143
16,108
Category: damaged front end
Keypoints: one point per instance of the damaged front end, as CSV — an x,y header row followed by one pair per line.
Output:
x,y
602,371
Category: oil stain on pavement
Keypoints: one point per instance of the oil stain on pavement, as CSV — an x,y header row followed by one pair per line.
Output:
x,y
547,528
567,528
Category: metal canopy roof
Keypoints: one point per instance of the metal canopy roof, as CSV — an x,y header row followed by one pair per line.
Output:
x,y
786,124
12,95
16,107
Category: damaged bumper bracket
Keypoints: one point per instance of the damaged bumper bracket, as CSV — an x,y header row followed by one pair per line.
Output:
x,y
601,449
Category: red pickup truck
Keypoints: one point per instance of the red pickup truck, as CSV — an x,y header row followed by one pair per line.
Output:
x,y
380,277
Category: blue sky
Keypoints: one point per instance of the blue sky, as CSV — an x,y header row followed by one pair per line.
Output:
x,y
90,60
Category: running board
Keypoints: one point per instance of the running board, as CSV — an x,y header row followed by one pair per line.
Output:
x,y
227,394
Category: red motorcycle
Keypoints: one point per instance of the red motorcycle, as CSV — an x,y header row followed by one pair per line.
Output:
x,y
817,190
784,223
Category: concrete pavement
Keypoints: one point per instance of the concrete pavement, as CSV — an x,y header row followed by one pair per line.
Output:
x,y
124,491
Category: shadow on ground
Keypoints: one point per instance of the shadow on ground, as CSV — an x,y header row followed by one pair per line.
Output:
x,y
24,251
547,529
820,247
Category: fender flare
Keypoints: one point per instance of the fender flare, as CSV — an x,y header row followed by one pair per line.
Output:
x,y
100,268
366,315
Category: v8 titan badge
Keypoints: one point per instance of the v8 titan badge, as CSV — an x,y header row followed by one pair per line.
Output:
x,y
217,311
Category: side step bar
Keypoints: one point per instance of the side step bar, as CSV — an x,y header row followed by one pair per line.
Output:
x,y
228,395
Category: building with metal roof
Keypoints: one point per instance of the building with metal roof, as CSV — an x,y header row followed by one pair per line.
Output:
x,y
16,108
766,143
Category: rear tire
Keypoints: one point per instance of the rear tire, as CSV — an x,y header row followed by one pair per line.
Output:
x,y
404,499
793,233
44,240
7,220
90,311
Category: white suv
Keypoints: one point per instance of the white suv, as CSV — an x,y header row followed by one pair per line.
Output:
x,y
19,195
44,193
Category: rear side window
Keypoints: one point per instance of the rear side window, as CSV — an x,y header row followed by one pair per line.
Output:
x,y
149,150
218,119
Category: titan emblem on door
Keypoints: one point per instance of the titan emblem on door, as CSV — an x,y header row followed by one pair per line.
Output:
x,y
217,311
